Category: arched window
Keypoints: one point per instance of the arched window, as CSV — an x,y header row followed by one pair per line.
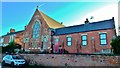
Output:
x,y
36,30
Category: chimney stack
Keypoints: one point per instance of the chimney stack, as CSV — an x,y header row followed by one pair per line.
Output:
x,y
61,23
12,30
87,21
25,27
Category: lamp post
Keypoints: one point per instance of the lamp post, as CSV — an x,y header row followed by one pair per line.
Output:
x,y
24,47
24,44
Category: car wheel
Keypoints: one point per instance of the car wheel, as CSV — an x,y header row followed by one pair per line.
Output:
x,y
12,64
3,63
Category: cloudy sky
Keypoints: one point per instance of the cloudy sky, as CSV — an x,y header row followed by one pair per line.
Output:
x,y
18,14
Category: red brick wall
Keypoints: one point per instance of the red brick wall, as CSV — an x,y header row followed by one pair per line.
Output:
x,y
6,39
72,49
42,32
89,48
18,38
71,60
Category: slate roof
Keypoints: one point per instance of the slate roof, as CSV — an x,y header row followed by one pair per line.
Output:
x,y
13,33
100,25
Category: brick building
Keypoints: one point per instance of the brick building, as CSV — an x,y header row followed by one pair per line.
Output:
x,y
17,37
45,34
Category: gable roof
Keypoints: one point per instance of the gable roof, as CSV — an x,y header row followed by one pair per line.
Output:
x,y
13,33
101,25
50,22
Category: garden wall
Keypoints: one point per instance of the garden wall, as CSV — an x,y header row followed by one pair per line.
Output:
x,y
71,60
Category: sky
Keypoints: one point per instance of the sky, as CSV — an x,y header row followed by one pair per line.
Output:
x,y
18,14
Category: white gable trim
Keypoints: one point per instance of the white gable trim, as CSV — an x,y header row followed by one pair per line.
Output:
x,y
35,21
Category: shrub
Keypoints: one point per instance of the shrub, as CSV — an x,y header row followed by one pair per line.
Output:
x,y
116,45
10,47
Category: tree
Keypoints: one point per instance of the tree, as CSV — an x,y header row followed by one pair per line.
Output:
x,y
10,47
116,45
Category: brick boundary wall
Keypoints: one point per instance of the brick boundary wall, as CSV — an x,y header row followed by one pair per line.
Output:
x,y
71,60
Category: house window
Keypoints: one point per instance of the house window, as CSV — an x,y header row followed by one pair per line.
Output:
x,y
69,41
56,39
1,40
11,38
36,30
119,29
103,39
84,40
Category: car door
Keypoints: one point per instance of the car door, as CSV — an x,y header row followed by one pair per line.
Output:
x,y
6,59
9,59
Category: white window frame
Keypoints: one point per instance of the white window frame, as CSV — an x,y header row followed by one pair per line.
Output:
x,y
69,41
103,39
84,40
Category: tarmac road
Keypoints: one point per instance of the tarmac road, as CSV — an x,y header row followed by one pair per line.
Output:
x,y
12,67
8,66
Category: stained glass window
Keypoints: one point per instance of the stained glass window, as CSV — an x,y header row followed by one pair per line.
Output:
x,y
36,30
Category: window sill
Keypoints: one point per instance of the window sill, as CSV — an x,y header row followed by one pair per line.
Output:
x,y
104,45
69,46
84,45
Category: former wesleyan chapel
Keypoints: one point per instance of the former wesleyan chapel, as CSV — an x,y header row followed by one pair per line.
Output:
x,y
46,34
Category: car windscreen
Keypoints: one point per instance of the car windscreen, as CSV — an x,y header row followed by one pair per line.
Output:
x,y
16,57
